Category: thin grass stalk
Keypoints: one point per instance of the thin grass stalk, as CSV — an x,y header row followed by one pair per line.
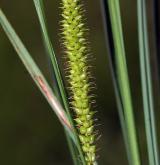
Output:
x,y
60,89
146,80
35,73
123,80
111,55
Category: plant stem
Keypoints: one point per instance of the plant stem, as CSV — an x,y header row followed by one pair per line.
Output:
x,y
146,81
122,74
62,92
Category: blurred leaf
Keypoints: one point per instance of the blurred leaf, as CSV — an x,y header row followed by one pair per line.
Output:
x,y
146,80
60,85
123,83
35,73
111,55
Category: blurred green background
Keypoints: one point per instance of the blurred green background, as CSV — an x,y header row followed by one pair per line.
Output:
x,y
30,133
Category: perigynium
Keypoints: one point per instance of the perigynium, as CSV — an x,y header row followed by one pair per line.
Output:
x,y
76,50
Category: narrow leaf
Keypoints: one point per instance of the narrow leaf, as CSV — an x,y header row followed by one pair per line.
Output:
x,y
146,80
42,19
123,80
35,72
111,55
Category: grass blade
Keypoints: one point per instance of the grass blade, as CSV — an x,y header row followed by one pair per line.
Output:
x,y
111,55
49,48
146,81
41,15
35,73
123,80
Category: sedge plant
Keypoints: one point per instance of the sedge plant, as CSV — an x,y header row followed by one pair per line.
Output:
x,y
73,104
81,145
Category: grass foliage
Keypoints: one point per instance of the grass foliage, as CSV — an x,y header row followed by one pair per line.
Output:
x,y
80,131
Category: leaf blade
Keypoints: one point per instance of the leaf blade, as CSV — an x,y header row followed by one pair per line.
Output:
x,y
111,56
123,80
146,82
42,19
35,72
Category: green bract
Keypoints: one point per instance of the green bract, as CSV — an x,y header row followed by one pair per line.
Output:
x,y
76,50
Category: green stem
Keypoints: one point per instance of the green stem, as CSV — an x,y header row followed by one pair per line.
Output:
x,y
41,15
122,73
146,81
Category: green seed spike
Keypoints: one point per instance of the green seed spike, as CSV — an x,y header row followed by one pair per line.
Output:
x,y
76,50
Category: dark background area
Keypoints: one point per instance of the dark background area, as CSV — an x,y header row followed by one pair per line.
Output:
x,y
30,133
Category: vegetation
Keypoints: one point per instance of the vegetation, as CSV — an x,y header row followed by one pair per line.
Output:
x,y
72,104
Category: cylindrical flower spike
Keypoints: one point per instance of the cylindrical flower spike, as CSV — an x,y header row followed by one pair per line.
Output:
x,y
74,40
